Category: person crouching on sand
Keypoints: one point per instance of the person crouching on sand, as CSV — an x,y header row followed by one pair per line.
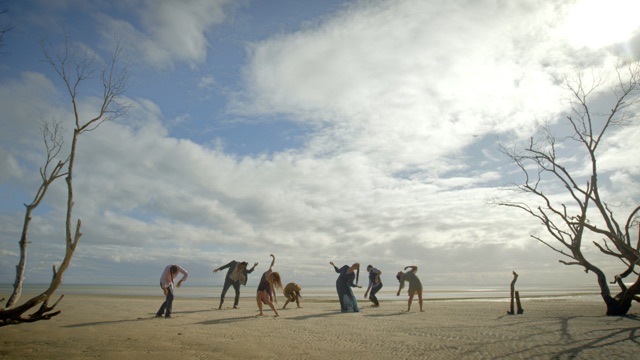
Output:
x,y
166,283
415,286
266,289
292,293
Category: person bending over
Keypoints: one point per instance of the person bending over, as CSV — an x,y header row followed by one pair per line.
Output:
x,y
266,293
415,286
236,275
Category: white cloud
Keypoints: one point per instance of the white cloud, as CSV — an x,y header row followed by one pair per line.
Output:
x,y
596,24
170,31
410,82
404,99
207,82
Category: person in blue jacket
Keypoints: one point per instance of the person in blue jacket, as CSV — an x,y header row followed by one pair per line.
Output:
x,y
375,284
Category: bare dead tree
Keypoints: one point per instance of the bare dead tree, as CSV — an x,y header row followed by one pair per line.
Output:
x,y
586,212
75,66
53,141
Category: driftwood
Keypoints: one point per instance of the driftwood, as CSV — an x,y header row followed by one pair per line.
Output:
x,y
515,294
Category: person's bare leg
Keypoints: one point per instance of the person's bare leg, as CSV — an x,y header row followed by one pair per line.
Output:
x,y
409,302
258,295
270,303
285,304
420,300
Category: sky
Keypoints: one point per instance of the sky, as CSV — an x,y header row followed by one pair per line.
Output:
x,y
344,131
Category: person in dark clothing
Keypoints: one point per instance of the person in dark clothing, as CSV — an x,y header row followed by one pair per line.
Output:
x,y
344,283
236,275
375,284
266,293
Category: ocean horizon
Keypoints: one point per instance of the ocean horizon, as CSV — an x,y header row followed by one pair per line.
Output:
x,y
434,293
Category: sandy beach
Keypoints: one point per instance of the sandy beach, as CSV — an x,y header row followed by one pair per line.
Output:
x,y
110,327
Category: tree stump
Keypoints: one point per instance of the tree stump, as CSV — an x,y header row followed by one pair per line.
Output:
x,y
520,310
515,295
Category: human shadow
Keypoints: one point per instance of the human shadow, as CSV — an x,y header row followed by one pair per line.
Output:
x,y
192,311
94,323
225,320
313,316
150,317
389,314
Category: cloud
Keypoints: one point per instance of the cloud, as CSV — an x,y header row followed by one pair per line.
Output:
x,y
404,102
207,82
594,24
409,83
170,32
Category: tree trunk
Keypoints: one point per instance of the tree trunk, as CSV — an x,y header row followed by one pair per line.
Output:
x,y
17,285
617,307
620,304
513,291
520,310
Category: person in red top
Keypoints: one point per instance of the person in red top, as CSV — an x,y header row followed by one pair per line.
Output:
x,y
166,283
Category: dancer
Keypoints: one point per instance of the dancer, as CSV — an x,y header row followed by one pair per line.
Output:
x,y
266,289
344,283
166,283
292,293
236,275
415,286
374,285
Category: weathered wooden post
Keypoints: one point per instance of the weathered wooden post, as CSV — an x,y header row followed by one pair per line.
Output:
x,y
520,310
515,294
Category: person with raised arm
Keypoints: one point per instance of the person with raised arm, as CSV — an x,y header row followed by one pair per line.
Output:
x,y
415,286
266,292
236,275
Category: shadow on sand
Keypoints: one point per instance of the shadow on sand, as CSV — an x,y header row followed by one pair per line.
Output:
x,y
94,323
225,320
152,316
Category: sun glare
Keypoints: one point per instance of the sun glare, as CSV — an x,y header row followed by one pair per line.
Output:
x,y
597,23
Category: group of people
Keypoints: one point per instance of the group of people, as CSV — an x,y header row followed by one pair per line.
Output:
x,y
237,275
347,275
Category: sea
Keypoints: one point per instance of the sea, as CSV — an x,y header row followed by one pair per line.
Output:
x,y
430,293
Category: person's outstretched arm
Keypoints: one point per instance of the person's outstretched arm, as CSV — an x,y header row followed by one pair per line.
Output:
x,y
351,283
273,261
184,273
275,294
334,266
222,267
401,285
253,268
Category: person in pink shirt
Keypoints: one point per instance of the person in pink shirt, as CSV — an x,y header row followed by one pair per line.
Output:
x,y
166,282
